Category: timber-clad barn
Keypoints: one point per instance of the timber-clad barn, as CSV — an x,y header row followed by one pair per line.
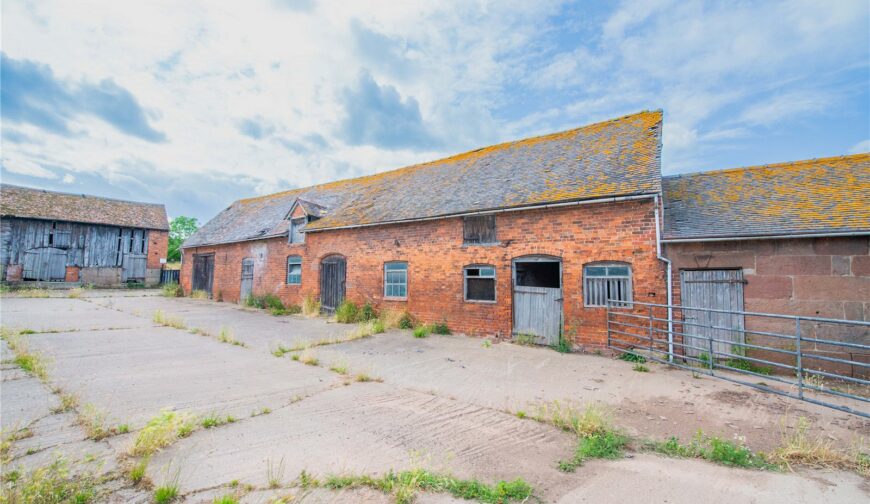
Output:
x,y
534,237
59,237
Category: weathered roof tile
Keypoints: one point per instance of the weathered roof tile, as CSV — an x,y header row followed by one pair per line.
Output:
x,y
26,202
619,157
830,195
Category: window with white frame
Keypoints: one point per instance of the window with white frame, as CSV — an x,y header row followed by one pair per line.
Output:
x,y
606,281
294,270
479,283
296,234
396,280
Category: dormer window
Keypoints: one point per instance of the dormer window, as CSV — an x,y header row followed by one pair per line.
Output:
x,y
296,226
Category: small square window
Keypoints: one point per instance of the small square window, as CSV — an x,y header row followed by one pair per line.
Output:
x,y
294,270
480,283
396,280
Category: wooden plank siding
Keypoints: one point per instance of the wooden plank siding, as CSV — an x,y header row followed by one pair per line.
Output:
x,y
83,245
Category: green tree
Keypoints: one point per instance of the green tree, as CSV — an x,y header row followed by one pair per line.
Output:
x,y
179,229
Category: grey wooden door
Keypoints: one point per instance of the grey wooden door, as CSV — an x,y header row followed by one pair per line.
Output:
x,y
45,263
133,267
537,299
332,282
720,333
203,273
247,284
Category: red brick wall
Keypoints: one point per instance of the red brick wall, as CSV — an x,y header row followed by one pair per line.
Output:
x,y
622,231
158,244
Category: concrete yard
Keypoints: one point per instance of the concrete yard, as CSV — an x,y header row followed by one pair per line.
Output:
x,y
445,403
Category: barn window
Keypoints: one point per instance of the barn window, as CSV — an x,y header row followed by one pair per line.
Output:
x,y
479,230
294,270
396,280
603,282
479,283
296,234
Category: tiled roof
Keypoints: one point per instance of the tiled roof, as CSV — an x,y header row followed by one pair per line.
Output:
x,y
619,157
25,202
830,195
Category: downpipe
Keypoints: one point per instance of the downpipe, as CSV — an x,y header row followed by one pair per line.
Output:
x,y
668,282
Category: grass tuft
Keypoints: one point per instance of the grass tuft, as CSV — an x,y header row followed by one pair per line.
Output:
x,y
310,306
32,362
214,420
363,378
198,294
225,499
526,339
798,448
309,358
32,293
441,328
93,421
161,431
172,290
167,320
713,449
640,368
75,293
138,470
49,484
275,472
422,331
68,402
226,336
404,486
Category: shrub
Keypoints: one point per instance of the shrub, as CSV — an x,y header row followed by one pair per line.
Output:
x,y
632,357
347,312
441,328
406,321
422,331
367,313
171,289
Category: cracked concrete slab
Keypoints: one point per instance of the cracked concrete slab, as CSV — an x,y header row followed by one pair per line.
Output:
x,y
440,407
63,314
134,374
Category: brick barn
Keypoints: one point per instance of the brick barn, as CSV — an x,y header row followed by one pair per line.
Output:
x,y
533,236
58,237
496,241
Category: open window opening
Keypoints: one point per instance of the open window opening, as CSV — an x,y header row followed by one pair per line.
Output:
x,y
538,274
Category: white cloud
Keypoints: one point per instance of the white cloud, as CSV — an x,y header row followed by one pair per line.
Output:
x,y
22,166
860,147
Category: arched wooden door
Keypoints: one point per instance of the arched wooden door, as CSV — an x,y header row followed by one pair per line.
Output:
x,y
333,271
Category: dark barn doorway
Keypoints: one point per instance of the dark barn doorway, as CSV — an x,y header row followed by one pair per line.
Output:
x,y
537,289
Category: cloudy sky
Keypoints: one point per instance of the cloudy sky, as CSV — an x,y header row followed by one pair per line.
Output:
x,y
199,103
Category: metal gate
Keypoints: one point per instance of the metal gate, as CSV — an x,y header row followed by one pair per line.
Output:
x,y
819,360
45,263
247,284
537,300
713,290
133,267
203,272
332,282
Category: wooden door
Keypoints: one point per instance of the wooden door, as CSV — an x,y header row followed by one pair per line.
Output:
x,y
46,264
717,290
247,284
133,267
333,270
203,273
537,299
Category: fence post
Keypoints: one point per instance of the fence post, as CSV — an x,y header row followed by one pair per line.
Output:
x,y
608,323
710,345
797,347
650,331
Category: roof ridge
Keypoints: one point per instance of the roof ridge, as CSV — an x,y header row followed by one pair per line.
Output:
x,y
452,157
783,164
83,195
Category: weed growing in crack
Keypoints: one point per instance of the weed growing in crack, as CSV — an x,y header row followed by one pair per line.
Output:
x,y
214,420
405,485
275,472
67,402
54,482
161,431
138,470
168,491
168,320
